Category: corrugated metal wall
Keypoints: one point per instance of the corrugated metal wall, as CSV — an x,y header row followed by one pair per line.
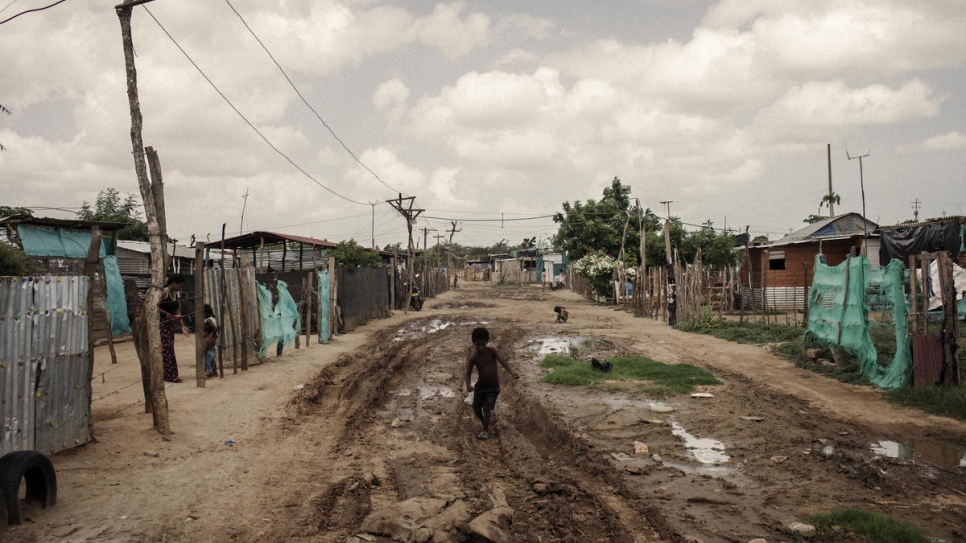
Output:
x,y
44,363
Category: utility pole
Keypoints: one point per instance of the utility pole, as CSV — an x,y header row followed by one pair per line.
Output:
x,y
449,248
410,213
828,152
151,364
915,209
667,231
241,227
426,231
439,257
865,232
373,227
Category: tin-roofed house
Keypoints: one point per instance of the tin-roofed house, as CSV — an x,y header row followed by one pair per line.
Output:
x,y
781,271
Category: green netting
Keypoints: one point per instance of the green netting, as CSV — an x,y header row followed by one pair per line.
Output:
x,y
280,322
323,306
839,305
56,242
116,301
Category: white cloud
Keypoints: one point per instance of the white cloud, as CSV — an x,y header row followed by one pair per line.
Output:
x,y
453,36
391,99
823,107
950,141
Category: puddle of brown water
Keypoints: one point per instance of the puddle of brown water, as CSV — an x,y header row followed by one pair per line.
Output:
x,y
934,453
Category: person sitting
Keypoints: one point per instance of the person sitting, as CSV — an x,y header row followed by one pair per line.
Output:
x,y
562,313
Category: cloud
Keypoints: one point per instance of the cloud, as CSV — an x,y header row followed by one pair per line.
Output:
x,y
950,141
453,36
391,99
823,107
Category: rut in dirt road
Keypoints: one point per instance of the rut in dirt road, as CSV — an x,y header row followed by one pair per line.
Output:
x,y
410,435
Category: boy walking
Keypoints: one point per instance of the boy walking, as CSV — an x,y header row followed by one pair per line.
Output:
x,y
484,359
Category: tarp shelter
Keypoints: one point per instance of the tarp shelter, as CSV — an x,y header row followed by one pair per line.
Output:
x,y
270,250
904,240
60,246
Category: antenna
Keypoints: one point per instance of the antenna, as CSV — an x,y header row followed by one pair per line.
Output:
x,y
241,228
915,209
865,231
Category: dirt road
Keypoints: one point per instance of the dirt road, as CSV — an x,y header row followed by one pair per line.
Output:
x,y
370,437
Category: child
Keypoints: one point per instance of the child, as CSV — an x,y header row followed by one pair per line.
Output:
x,y
487,388
211,336
562,313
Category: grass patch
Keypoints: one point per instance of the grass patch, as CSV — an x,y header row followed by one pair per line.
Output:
x,y
667,378
847,523
787,342
950,402
744,332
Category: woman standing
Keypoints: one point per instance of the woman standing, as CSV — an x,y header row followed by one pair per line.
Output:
x,y
170,311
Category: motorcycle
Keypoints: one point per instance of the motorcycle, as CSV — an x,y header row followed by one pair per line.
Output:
x,y
415,299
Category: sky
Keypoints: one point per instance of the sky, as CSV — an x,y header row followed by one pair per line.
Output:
x,y
490,114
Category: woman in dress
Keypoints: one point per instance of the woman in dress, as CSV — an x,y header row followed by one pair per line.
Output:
x,y
170,311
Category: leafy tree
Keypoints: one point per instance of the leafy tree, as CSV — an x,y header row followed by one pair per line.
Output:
x,y
812,219
354,256
830,200
14,262
597,226
529,243
717,250
7,211
108,207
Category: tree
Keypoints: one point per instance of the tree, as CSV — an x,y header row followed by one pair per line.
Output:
x,y
597,226
812,219
7,211
14,262
354,256
529,243
717,250
108,207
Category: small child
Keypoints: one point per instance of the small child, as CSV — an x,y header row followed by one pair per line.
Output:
x,y
487,388
211,337
562,313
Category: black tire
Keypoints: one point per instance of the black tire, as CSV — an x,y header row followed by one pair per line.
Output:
x,y
35,468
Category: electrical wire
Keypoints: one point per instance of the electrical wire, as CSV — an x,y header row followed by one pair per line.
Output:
x,y
8,19
304,101
240,114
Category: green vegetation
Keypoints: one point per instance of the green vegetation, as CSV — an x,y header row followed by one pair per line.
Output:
x,y
667,378
14,262
852,524
353,256
786,341
109,208
950,402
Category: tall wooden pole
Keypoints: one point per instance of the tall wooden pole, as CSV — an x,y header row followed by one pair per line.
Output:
x,y
199,314
159,401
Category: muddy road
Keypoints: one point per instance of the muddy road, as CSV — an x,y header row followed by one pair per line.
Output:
x,y
372,438
561,463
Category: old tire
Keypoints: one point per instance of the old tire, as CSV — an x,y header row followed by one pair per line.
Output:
x,y
33,467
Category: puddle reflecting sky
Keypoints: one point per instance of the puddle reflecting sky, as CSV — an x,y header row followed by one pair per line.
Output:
x,y
934,453
704,450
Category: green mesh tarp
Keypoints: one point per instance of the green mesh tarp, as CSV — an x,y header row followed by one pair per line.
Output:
x,y
280,321
116,302
56,242
839,315
323,306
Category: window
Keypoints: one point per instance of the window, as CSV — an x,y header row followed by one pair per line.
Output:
x,y
776,260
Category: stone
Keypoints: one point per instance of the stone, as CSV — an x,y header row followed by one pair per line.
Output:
x,y
491,527
702,395
758,540
422,535
753,418
636,469
804,530
396,423
657,458
399,520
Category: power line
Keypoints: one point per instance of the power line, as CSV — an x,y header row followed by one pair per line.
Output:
x,y
30,11
304,101
240,114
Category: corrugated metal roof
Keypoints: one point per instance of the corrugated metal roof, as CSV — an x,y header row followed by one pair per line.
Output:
x,y
255,239
839,227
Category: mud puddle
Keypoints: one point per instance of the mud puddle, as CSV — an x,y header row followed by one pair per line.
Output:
x,y
923,450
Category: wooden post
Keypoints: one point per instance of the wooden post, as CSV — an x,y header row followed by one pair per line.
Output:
x,y
243,311
309,289
951,374
155,234
766,262
333,297
913,295
924,266
225,308
200,314
157,188
805,301
90,271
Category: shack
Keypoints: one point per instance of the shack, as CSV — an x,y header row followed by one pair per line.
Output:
x,y
779,272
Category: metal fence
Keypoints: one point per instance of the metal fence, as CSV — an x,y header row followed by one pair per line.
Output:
x,y
44,363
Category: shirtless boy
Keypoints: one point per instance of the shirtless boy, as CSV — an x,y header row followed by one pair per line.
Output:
x,y
487,388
